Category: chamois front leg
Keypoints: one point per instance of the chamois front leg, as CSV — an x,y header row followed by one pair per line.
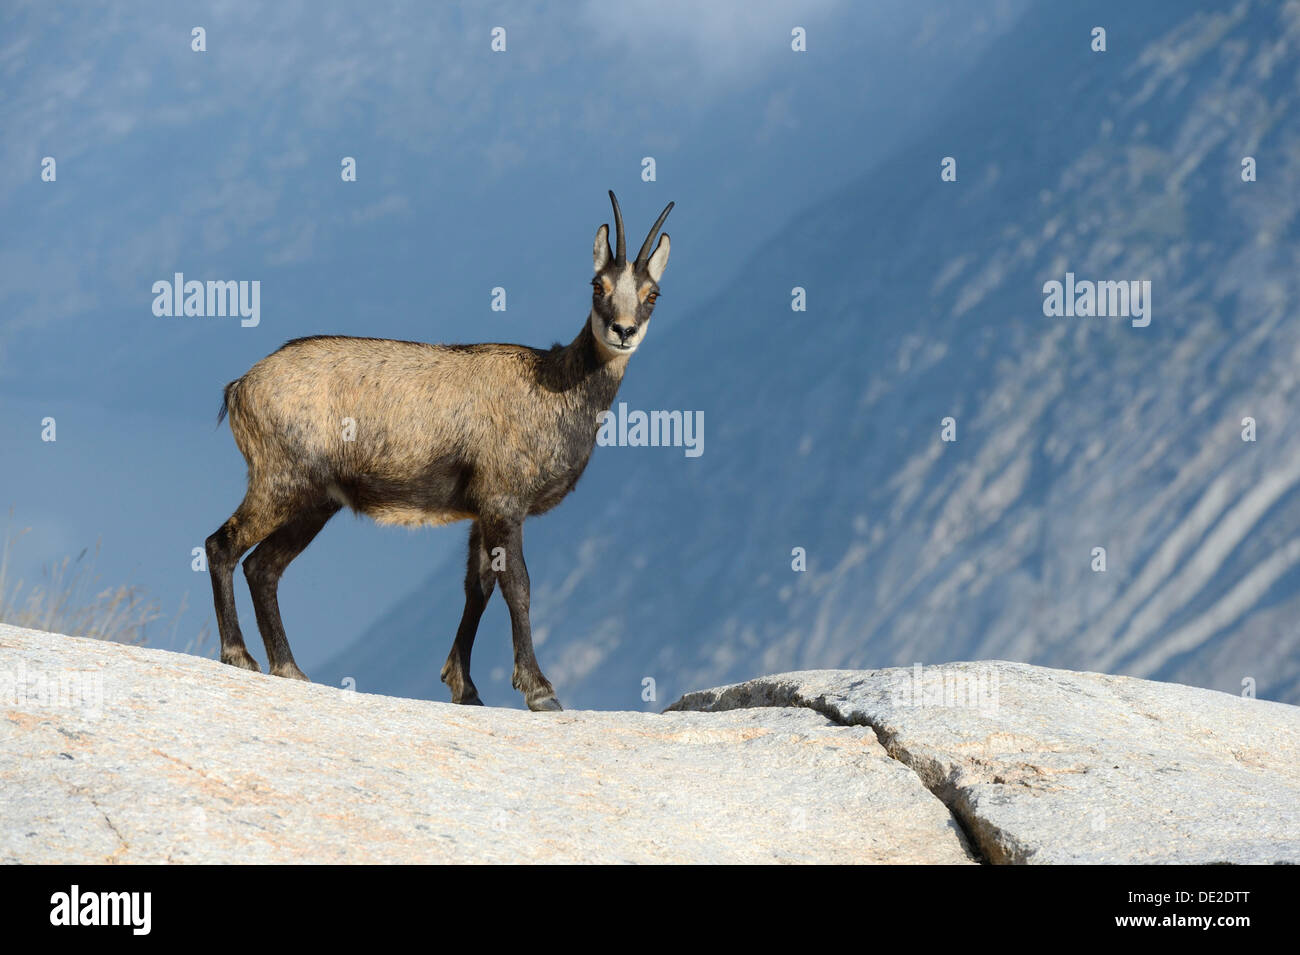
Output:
x,y
528,678
479,583
263,568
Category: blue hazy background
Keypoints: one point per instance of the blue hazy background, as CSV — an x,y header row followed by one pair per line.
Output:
x,y
820,169
475,169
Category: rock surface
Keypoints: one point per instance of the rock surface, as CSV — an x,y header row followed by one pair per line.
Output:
x,y
120,754
1045,765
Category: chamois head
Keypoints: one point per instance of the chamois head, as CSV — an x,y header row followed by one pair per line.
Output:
x,y
624,292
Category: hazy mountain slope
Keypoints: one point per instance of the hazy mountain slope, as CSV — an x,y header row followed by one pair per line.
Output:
x,y
925,300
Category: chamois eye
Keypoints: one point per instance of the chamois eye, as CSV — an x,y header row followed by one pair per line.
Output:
x,y
651,297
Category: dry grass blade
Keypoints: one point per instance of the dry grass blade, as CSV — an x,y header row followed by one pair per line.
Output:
x,y
70,599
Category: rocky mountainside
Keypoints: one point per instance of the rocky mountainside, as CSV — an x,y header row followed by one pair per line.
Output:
x,y
925,301
120,754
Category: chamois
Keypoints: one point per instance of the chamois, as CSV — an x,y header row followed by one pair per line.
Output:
x,y
418,434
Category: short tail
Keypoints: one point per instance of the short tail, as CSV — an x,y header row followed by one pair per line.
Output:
x,y
226,397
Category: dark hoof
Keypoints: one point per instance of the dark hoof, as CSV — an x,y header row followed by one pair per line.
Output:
x,y
241,659
463,690
547,704
290,671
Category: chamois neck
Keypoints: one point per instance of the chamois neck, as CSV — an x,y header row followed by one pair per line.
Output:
x,y
584,366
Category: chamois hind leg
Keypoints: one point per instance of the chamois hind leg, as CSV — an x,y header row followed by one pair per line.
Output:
x,y
263,568
479,583
259,515
528,677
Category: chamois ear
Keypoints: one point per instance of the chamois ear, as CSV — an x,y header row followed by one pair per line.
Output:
x,y
600,251
659,261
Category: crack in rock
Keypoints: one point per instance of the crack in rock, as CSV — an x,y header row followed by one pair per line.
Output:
x,y
1053,766
785,695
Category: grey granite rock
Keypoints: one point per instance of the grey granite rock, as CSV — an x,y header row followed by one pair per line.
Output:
x,y
1048,765
119,754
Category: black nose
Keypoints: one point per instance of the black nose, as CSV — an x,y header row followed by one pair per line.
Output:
x,y
623,331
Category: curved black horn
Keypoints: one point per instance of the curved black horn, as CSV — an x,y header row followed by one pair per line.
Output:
x,y
620,252
650,239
